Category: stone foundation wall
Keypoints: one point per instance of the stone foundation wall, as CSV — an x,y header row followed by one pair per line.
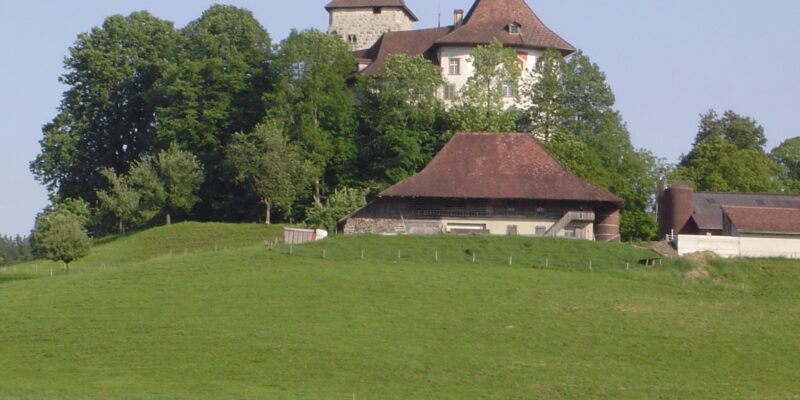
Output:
x,y
356,226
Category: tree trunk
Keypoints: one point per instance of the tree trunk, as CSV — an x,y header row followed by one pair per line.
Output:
x,y
267,211
168,219
121,228
317,192
66,268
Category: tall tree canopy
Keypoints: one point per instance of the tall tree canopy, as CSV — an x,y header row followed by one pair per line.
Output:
x,y
400,119
571,106
313,102
217,89
728,156
787,156
107,116
479,105
59,235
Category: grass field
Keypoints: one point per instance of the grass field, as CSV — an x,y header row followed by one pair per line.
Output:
x,y
206,311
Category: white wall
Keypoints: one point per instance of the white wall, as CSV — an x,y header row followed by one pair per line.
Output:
x,y
464,54
728,246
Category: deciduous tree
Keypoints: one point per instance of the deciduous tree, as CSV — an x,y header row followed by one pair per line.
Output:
x,y
479,105
121,199
787,156
270,167
341,202
60,236
169,181
400,117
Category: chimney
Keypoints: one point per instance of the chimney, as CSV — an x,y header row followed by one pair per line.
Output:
x,y
458,17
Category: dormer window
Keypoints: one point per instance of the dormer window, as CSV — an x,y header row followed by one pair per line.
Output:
x,y
513,28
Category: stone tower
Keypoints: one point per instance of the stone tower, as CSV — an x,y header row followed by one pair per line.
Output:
x,y
362,22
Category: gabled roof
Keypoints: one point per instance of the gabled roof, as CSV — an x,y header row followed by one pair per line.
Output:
x,y
498,166
371,3
764,219
412,43
489,19
708,211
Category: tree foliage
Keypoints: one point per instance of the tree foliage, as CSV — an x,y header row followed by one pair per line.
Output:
x,y
121,200
787,157
313,103
728,156
270,167
571,107
339,204
107,116
59,236
14,250
169,181
400,119
479,105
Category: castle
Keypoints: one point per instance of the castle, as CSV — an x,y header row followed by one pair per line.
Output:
x,y
377,29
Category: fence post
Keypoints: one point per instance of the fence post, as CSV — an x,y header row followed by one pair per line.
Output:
x,y
436,255
510,260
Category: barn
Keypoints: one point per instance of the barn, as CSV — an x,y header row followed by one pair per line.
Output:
x,y
492,183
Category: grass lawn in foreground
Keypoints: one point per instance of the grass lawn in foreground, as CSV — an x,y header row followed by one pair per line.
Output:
x,y
245,322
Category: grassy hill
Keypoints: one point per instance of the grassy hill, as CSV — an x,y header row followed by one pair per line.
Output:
x,y
224,317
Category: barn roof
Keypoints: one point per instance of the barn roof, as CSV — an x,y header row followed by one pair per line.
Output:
x,y
371,3
498,166
764,219
708,211
490,19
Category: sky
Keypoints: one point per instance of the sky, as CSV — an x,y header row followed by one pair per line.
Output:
x,y
667,61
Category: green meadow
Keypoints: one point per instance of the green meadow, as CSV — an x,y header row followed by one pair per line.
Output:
x,y
212,311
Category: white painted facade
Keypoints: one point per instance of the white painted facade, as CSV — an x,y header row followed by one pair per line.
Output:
x,y
362,27
744,246
462,55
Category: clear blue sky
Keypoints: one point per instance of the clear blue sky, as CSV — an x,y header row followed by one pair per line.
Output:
x,y
666,60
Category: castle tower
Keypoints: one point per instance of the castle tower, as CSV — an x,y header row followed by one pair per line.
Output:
x,y
362,22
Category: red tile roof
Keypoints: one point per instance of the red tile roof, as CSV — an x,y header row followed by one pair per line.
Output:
x,y
708,214
412,43
489,19
371,3
498,166
764,219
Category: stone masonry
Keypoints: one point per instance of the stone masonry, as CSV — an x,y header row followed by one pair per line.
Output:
x,y
362,27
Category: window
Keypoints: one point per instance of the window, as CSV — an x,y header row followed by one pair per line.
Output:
x,y
449,91
570,232
376,10
540,230
455,66
352,38
513,29
508,91
512,230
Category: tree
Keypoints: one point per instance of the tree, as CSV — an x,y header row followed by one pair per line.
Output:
x,y
267,165
571,106
479,106
122,200
717,165
787,156
542,92
169,181
107,116
400,118
343,201
59,236
313,103
215,89
743,132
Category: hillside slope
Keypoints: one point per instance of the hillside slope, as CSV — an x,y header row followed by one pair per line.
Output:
x,y
247,322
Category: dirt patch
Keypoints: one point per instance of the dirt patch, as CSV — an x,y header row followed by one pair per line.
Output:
x,y
663,248
702,258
